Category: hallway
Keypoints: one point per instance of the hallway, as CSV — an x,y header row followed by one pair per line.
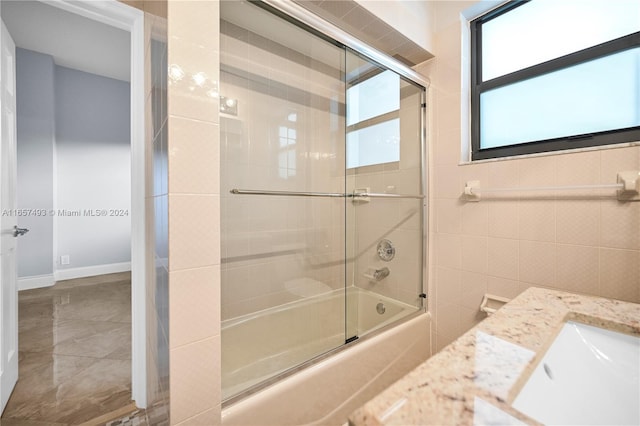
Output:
x,y
75,352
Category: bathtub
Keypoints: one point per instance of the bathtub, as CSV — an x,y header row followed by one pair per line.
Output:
x,y
326,390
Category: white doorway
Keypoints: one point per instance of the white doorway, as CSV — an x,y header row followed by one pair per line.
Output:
x,y
8,291
123,17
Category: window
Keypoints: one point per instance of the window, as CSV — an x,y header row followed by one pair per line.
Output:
x,y
287,138
373,120
550,75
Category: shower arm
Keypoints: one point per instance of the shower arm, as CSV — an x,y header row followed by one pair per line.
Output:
x,y
322,194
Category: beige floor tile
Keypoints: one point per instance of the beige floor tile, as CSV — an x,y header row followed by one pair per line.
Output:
x,y
75,352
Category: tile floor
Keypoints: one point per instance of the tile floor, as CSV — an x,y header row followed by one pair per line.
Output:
x,y
75,352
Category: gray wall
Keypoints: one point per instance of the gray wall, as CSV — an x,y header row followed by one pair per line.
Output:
x,y
74,154
35,150
93,154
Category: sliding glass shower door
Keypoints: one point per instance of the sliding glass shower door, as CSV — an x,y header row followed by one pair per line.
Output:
x,y
308,126
282,141
385,160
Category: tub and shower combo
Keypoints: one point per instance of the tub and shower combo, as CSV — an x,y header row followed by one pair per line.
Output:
x,y
323,217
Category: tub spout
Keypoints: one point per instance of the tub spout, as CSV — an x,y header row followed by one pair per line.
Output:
x,y
378,274
381,274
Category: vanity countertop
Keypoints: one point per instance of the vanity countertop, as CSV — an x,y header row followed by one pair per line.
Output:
x,y
474,379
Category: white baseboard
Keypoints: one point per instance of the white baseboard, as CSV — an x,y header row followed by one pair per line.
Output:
x,y
36,281
90,271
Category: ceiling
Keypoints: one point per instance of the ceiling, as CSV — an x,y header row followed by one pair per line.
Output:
x,y
73,41
359,22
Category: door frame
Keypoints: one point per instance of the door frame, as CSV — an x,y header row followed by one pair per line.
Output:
x,y
130,19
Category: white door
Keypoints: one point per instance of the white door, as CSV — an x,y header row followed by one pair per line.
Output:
x,y
8,286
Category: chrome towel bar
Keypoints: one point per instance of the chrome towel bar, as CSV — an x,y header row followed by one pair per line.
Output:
x,y
322,194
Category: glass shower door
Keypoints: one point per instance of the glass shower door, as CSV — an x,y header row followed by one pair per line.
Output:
x,y
283,230
321,162
384,159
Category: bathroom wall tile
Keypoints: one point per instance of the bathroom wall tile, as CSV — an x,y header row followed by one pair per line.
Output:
x,y
505,288
537,220
503,174
195,305
195,379
446,147
619,224
470,317
193,21
450,87
620,274
581,168
446,184
474,286
474,254
194,231
448,285
578,269
194,35
194,219
537,263
193,148
448,251
537,171
475,219
448,34
616,160
450,101
448,319
209,417
503,219
440,341
578,222
448,215
503,258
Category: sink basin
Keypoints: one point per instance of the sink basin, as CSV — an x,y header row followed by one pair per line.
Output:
x,y
588,376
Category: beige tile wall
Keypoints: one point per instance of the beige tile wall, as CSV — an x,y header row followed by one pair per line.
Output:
x,y
587,242
194,212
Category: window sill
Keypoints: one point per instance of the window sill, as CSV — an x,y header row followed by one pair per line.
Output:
x,y
550,153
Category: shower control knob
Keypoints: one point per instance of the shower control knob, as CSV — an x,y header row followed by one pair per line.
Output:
x,y
386,250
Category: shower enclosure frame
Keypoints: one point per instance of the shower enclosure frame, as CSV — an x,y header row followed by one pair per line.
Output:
x,y
292,12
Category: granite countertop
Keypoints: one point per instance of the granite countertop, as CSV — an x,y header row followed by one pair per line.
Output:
x,y
475,378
